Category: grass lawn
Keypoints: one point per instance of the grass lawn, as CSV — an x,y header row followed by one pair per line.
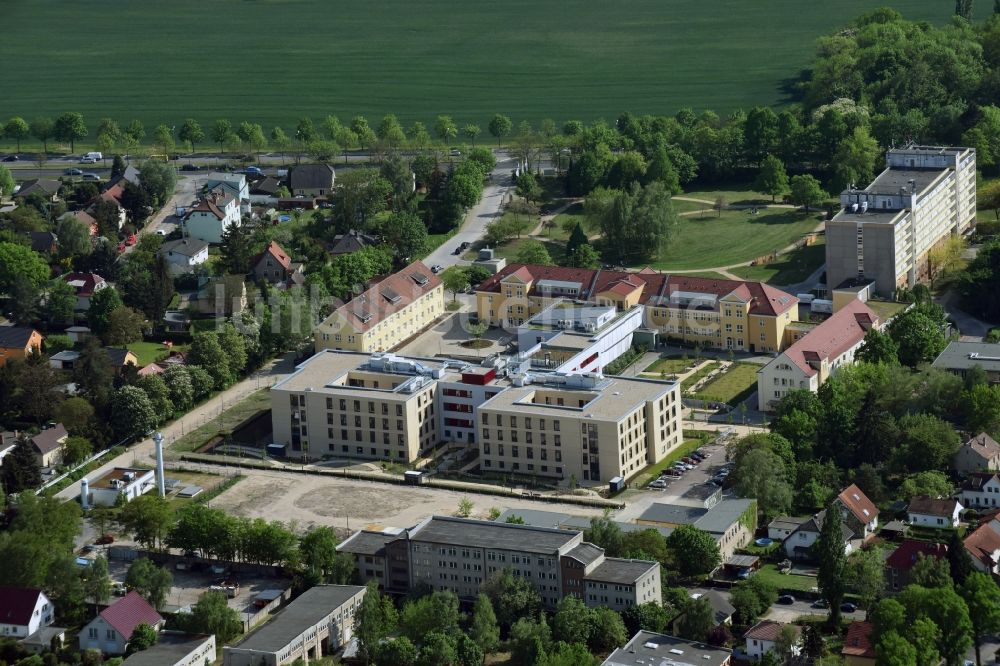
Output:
x,y
701,372
790,268
230,418
733,386
792,582
529,59
509,250
735,195
886,309
690,443
566,219
672,366
735,237
148,352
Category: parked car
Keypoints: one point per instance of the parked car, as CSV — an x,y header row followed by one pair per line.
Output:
x,y
848,607
465,245
786,599
437,268
73,172
820,603
689,461
105,540
458,250
161,232
659,484
456,153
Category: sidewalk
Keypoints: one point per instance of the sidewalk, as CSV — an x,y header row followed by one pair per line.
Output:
x,y
143,452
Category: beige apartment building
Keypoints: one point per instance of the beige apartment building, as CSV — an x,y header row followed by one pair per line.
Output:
x,y
885,231
713,313
585,427
388,313
532,423
460,554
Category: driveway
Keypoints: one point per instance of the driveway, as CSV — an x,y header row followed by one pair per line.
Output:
x,y
489,208
968,325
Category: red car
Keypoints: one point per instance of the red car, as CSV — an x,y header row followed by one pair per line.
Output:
x,y
131,240
104,540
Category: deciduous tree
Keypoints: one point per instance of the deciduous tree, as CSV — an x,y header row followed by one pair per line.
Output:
x,y
772,178
695,551
149,580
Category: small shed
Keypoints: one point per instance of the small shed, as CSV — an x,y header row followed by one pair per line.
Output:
x,y
741,566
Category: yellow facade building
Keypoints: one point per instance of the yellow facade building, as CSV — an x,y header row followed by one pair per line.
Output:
x,y
717,314
386,314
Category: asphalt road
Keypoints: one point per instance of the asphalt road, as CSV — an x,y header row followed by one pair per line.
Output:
x,y
489,208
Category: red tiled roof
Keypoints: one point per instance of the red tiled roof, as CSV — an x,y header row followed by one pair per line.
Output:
x,y
129,612
857,643
767,630
277,252
17,604
858,503
114,194
89,282
985,541
390,294
904,557
763,299
833,337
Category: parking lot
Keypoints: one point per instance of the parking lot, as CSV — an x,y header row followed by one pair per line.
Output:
x,y
188,586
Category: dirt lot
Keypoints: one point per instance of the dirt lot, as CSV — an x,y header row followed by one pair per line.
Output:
x,y
349,503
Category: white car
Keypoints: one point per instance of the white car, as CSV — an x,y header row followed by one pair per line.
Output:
x,y
88,160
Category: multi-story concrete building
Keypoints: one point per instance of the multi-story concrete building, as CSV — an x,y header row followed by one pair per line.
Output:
x,y
718,314
318,623
386,314
813,358
460,554
544,424
885,231
587,427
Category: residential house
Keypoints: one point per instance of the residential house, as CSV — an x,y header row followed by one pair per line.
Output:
x,y
266,187
150,369
119,357
64,360
798,545
979,454
111,630
712,313
782,526
558,563
17,342
78,334
650,649
184,255
961,356
316,624
980,490
352,241
8,440
47,188
130,175
983,546
234,184
860,513
816,356
386,314
274,265
312,180
764,637
902,560
722,610
221,296
930,512
84,218
114,195
44,242
175,648
212,215
858,649
176,321
48,444
731,522
23,611
85,285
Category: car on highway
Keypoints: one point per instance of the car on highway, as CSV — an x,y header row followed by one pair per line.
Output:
x,y
73,172
190,167
254,171
786,599
848,607
437,268
87,159
11,158
456,153
92,177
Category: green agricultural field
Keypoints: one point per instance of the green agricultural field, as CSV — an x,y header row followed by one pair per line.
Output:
x,y
274,61
732,238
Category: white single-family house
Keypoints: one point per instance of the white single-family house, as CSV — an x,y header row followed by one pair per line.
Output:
x,y
983,547
184,255
763,638
980,490
110,631
860,513
798,544
930,512
214,213
23,611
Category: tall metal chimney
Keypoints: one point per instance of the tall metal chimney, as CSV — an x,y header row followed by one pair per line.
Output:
x,y
161,483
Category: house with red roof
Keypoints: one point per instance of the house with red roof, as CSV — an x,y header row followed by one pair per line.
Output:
x,y
858,649
903,559
111,630
212,215
765,636
390,311
983,546
85,285
814,357
860,513
274,265
23,611
713,313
